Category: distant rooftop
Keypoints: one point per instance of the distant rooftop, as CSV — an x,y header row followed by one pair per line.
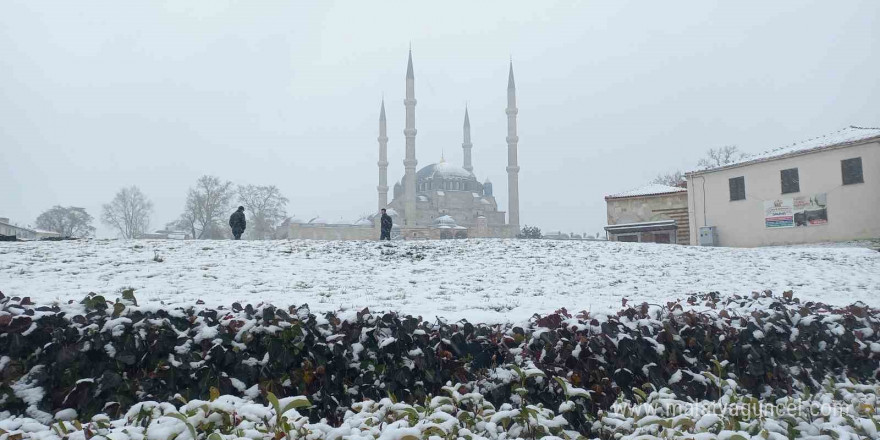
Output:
x,y
647,190
847,136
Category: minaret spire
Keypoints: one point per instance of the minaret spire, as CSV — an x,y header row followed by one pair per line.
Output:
x,y
410,162
383,159
466,143
512,165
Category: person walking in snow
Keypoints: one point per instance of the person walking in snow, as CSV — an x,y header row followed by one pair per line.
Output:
x,y
237,222
386,226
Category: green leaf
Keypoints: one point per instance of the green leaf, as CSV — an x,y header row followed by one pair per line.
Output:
x,y
181,417
297,403
641,394
118,308
562,385
274,401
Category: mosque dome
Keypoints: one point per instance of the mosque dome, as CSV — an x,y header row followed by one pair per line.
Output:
x,y
444,176
444,170
445,221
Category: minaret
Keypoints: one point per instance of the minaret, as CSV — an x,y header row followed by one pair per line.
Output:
x,y
410,162
512,166
467,145
383,159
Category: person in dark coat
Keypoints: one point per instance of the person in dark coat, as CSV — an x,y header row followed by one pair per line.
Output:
x,y
237,222
386,226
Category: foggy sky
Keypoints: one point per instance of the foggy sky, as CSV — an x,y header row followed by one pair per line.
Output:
x,y
96,95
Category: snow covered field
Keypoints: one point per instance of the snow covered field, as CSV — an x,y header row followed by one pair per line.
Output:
x,y
480,280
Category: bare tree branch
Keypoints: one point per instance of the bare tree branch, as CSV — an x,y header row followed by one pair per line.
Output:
x,y
674,178
67,222
267,208
128,213
206,205
718,157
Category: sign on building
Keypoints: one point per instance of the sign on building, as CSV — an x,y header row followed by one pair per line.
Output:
x,y
796,211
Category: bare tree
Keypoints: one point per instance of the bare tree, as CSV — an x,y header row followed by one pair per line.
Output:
x,y
267,209
128,213
717,157
205,208
67,222
673,178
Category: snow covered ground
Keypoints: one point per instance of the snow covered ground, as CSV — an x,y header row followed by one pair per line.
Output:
x,y
480,280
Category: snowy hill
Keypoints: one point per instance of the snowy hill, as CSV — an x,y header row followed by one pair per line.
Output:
x,y
480,280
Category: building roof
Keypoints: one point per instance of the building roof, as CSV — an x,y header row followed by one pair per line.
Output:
x,y
660,225
652,189
851,135
444,170
7,222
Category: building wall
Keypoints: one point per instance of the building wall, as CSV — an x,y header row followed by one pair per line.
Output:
x,y
333,232
652,208
16,231
853,210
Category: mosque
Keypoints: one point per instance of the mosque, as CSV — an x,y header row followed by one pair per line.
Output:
x,y
437,201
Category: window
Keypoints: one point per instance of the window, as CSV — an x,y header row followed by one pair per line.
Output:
x,y
737,188
790,181
852,171
632,238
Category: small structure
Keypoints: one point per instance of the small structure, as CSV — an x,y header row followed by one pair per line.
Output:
x,y
318,228
445,227
11,232
166,234
654,213
557,235
819,190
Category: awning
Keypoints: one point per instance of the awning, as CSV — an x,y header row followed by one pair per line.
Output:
x,y
628,228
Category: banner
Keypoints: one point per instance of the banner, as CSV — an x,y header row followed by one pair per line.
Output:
x,y
796,211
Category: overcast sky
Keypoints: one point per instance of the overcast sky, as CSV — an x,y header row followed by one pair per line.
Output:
x,y
100,94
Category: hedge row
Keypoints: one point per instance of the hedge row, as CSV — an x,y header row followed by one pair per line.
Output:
x,y
98,356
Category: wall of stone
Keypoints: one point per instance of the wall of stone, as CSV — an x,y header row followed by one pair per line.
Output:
x,y
333,232
652,208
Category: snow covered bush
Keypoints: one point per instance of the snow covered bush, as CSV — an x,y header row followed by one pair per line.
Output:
x,y
551,376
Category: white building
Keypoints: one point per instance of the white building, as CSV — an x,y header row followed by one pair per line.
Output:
x,y
819,190
7,229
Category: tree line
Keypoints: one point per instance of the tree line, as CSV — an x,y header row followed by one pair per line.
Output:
x,y
208,205
715,157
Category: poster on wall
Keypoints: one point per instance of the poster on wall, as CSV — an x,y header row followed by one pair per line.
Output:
x,y
779,213
796,211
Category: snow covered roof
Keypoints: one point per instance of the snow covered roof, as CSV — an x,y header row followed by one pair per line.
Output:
x,y
660,225
443,170
444,220
851,135
648,190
